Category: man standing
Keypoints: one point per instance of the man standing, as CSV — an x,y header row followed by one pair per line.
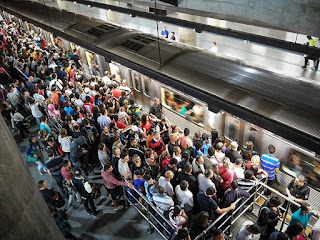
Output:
x,y
156,109
162,201
112,185
165,33
271,164
164,181
311,43
232,153
247,230
298,191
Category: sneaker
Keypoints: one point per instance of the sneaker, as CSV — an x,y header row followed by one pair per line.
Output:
x,y
119,208
304,67
88,213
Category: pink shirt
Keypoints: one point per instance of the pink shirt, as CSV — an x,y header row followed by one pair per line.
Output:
x,y
110,181
227,175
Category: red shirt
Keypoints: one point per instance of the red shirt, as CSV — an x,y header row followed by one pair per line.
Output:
x,y
119,124
66,173
88,107
116,93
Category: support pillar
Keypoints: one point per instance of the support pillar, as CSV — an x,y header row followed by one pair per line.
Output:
x,y
24,213
185,35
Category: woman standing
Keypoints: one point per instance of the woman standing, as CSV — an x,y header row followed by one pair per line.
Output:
x,y
34,154
64,141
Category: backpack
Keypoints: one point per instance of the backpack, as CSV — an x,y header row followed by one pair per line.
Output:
x,y
133,109
90,136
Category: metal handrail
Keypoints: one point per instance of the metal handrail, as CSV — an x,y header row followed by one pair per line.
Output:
x,y
163,222
204,232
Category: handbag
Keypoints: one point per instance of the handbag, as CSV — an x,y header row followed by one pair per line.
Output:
x,y
32,158
96,192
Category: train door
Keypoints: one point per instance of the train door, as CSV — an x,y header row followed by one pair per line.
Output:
x,y
232,129
253,134
136,79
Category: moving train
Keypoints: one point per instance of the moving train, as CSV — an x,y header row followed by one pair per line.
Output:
x,y
194,78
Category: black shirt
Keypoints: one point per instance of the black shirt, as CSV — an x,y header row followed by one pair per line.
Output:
x,y
171,146
232,155
48,195
193,186
156,110
300,193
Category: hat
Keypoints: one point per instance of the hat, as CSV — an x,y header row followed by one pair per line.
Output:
x,y
134,128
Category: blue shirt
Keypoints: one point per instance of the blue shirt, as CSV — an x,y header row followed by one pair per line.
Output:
x,y
207,204
46,127
269,163
205,148
299,217
165,33
69,110
149,193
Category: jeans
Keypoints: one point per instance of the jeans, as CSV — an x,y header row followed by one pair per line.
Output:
x,y
89,202
41,166
71,196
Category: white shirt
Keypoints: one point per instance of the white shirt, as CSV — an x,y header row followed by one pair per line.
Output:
x,y
123,167
195,167
239,172
204,183
35,110
220,156
125,88
184,197
166,185
78,103
243,233
214,49
106,80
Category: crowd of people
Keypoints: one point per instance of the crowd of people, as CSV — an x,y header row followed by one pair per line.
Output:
x,y
190,180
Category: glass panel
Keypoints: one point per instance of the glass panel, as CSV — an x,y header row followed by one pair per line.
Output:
x,y
183,106
137,85
146,81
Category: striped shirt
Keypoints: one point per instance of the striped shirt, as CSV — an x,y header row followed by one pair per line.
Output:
x,y
163,202
269,163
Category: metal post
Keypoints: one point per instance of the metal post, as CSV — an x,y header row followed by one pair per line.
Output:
x,y
125,197
285,215
150,228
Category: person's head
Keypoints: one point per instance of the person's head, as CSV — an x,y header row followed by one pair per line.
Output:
x,y
124,157
164,29
219,146
282,236
156,101
186,132
239,162
208,173
86,122
184,185
197,135
133,142
300,180
210,191
248,174
32,140
234,145
271,149
156,136
226,162
254,229
160,190
255,160
295,230
309,37
211,151
63,132
168,175
173,162
101,146
108,167
274,201
305,208
183,234
50,153
177,150
148,179
116,151
67,164
249,145
214,44
199,159
188,168
177,210
198,145
136,160
217,234
234,185
42,184
172,34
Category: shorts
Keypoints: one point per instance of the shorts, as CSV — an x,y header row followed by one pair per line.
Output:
x,y
114,192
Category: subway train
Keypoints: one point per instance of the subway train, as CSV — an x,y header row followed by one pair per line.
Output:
x,y
96,40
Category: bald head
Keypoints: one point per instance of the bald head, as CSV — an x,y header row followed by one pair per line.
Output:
x,y
234,145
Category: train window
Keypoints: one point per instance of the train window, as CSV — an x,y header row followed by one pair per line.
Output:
x,y
192,111
136,80
90,57
299,163
232,128
146,81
